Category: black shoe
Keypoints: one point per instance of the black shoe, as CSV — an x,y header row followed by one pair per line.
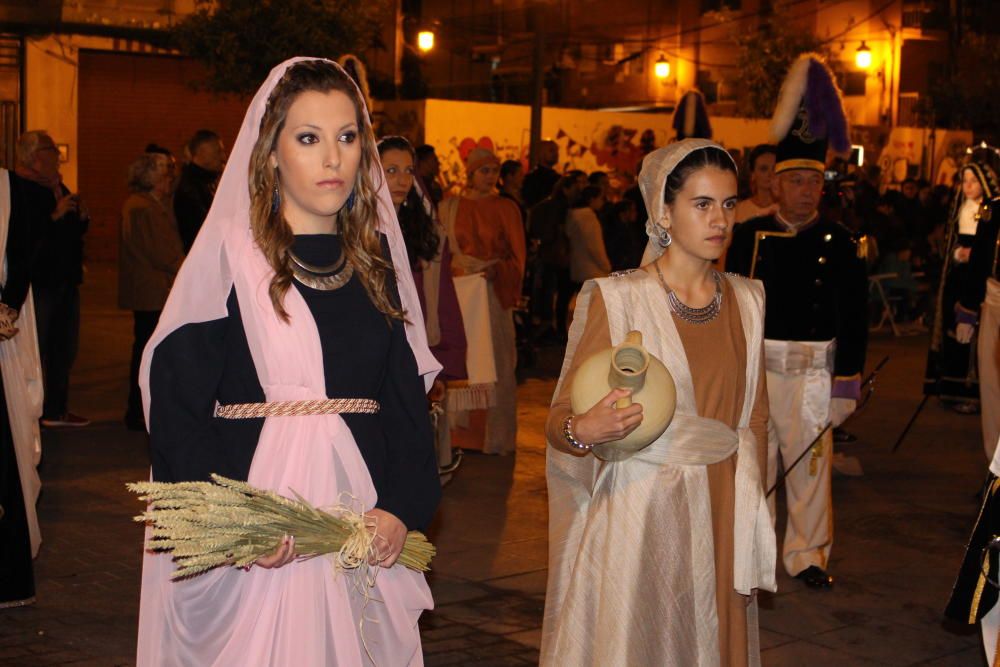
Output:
x,y
840,435
815,577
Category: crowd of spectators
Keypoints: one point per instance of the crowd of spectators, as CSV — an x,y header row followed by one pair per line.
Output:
x,y
577,226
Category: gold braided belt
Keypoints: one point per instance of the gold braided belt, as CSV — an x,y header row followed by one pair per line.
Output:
x,y
324,406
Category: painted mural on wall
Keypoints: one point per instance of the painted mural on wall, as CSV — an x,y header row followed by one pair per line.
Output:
x,y
906,152
588,140
613,142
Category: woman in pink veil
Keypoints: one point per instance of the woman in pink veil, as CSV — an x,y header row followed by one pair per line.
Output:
x,y
296,289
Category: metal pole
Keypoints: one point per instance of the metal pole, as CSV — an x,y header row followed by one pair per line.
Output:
x,y
538,80
909,424
397,52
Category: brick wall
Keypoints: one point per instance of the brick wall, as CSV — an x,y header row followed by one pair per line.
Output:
x,y
128,100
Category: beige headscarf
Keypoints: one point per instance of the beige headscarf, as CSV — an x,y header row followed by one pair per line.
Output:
x,y
656,167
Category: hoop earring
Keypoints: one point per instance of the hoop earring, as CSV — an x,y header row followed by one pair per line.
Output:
x,y
349,204
658,233
663,237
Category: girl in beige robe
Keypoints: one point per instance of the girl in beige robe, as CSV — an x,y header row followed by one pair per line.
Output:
x,y
654,559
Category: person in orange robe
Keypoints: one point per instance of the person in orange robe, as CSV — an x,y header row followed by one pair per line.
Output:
x,y
487,236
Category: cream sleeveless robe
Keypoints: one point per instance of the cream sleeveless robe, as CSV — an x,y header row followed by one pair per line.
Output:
x,y
631,553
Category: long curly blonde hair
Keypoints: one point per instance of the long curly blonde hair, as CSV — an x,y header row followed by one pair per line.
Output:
x,y
357,227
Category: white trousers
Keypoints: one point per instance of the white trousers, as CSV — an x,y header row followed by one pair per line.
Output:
x,y
990,627
798,388
988,353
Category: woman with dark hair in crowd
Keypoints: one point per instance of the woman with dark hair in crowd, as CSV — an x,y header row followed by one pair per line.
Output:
x,y
297,295
511,180
655,559
624,236
761,200
430,262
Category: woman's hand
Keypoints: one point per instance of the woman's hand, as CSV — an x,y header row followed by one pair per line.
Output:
x,y
606,423
962,254
280,557
8,316
437,391
390,536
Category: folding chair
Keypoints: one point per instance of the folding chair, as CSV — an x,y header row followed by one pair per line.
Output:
x,y
888,313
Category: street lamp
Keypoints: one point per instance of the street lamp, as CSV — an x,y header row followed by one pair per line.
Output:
x,y
662,67
425,40
863,56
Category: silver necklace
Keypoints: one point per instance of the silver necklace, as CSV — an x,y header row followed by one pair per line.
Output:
x,y
323,278
687,313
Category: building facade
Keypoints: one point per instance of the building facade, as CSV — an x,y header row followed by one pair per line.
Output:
x,y
98,76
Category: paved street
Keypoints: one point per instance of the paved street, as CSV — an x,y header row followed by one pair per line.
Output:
x,y
899,532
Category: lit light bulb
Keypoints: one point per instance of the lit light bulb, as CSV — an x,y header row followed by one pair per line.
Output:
x,y
863,56
662,67
425,40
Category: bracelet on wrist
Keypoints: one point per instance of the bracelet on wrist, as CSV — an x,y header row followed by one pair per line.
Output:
x,y
571,439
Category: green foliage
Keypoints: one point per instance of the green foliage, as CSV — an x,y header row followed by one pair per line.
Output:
x,y
764,57
241,40
966,97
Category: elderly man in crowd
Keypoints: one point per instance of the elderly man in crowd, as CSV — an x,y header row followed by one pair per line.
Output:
x,y
59,222
196,188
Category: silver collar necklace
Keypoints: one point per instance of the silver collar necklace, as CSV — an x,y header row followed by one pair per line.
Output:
x,y
687,313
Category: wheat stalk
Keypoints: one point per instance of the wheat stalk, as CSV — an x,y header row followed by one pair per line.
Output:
x,y
227,522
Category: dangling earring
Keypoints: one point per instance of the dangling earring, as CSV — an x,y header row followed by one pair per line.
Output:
x,y
275,195
657,232
349,204
663,237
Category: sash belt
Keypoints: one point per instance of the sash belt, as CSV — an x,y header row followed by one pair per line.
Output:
x,y
325,406
691,440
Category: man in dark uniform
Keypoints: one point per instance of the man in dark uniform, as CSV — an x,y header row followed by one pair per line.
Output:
x,y
816,320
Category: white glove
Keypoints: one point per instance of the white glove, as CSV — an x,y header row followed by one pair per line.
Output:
x,y
963,333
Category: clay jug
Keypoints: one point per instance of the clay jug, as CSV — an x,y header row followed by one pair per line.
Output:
x,y
627,366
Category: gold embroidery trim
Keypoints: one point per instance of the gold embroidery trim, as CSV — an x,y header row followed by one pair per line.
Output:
x,y
799,163
984,572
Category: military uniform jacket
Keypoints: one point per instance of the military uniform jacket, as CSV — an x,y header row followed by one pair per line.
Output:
x,y
816,285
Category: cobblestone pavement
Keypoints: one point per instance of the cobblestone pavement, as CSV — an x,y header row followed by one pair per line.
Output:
x,y
899,532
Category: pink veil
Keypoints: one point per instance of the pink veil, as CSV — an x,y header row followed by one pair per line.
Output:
x,y
225,243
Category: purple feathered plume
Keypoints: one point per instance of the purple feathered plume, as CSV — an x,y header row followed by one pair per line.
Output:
x,y
826,111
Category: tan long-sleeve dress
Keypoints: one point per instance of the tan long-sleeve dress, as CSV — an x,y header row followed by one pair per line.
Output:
x,y
717,356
